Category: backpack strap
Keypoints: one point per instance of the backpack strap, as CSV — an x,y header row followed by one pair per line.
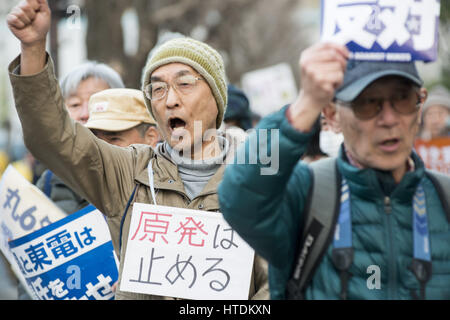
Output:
x,y
319,220
320,217
423,269
441,183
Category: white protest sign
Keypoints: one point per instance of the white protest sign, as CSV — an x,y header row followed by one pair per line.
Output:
x,y
269,89
385,30
23,208
185,253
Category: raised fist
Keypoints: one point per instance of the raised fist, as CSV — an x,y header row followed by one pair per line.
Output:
x,y
322,69
29,21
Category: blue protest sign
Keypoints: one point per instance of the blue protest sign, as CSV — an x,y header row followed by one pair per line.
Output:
x,y
72,258
383,30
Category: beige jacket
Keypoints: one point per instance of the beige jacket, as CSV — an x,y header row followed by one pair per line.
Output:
x,y
104,174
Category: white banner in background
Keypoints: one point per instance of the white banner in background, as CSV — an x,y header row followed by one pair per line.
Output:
x,y
23,209
269,89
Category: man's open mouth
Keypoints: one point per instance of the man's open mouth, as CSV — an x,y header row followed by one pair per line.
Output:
x,y
175,123
390,145
390,142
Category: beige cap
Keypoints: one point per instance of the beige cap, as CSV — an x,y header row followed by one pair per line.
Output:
x,y
118,110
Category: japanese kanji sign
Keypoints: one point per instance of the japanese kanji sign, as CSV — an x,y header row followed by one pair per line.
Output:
x,y
435,153
23,208
185,253
72,258
383,30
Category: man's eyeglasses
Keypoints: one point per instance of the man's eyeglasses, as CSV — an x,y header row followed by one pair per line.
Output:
x,y
365,108
184,84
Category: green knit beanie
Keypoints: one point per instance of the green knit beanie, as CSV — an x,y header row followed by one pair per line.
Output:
x,y
198,55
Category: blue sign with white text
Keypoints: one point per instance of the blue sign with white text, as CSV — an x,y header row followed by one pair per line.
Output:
x,y
72,258
383,30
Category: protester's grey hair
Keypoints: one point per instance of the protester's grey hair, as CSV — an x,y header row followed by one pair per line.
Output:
x,y
72,80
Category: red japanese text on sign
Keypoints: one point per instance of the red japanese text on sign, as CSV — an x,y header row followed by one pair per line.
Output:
x,y
152,224
191,231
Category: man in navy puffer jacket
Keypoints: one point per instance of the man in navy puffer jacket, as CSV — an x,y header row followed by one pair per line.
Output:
x,y
391,216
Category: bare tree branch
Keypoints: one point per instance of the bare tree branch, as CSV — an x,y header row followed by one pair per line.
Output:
x,y
173,11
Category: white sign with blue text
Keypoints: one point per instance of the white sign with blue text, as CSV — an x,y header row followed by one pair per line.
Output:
x,y
72,258
383,30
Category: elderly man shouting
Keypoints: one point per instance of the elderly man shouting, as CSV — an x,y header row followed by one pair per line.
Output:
x,y
185,88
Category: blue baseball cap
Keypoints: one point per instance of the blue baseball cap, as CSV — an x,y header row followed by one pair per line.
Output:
x,y
359,74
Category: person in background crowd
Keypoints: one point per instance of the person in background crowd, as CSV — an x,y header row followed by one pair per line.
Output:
x,y
77,87
238,109
120,117
329,140
436,114
314,151
184,83
237,120
82,82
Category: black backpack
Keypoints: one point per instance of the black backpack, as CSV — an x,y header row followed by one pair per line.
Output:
x,y
319,224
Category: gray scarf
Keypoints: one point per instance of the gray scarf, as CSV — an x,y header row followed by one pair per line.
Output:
x,y
195,174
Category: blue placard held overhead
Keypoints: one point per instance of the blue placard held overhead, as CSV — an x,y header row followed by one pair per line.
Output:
x,y
383,30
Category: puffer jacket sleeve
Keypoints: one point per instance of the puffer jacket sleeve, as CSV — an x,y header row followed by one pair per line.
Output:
x,y
99,172
265,209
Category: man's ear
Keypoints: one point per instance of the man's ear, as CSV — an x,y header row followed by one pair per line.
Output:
x,y
152,136
331,115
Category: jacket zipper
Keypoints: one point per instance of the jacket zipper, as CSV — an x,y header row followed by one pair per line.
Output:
x,y
392,282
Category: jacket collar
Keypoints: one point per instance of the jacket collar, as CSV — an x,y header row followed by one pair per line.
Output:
x,y
165,175
366,184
